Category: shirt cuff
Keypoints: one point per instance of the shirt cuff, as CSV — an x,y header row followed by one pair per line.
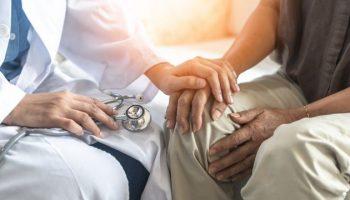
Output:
x,y
10,96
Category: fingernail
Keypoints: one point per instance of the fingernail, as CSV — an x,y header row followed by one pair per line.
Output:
x,y
230,99
216,115
236,115
220,98
237,88
115,112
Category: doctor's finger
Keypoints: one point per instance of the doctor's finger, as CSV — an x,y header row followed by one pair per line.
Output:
x,y
171,111
183,111
230,72
224,79
97,113
69,125
105,108
232,78
200,99
195,68
185,82
84,120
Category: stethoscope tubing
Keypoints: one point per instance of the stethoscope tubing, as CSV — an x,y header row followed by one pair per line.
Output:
x,y
12,142
23,132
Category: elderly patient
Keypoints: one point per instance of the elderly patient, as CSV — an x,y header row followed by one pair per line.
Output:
x,y
286,136
107,43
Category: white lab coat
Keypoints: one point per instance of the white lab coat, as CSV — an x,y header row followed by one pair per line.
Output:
x,y
102,39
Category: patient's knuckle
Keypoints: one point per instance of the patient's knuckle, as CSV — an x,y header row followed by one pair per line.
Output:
x,y
246,163
235,140
250,127
257,127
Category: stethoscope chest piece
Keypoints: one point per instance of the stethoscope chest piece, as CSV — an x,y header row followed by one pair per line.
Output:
x,y
136,118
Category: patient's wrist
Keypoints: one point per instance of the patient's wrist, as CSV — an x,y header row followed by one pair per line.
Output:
x,y
298,114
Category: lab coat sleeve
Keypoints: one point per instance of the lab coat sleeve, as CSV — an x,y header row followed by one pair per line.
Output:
x,y
10,96
105,40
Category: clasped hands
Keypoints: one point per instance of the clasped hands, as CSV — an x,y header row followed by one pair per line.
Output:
x,y
257,125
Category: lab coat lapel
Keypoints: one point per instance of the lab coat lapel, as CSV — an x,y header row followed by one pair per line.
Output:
x,y
5,21
47,19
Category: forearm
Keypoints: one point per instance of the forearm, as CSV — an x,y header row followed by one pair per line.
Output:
x,y
257,39
337,103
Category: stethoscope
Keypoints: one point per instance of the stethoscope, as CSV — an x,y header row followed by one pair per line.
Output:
x,y
136,118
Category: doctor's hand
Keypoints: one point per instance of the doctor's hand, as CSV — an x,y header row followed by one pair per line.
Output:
x,y
195,74
240,148
61,110
190,104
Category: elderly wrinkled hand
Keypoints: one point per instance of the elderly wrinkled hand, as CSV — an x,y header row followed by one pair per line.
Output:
x,y
242,146
190,105
196,74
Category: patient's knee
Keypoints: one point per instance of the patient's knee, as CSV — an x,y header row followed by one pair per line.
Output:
x,y
195,146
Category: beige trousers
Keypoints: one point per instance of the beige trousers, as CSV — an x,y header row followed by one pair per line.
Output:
x,y
307,159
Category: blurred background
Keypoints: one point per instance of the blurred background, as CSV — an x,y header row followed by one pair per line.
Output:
x,y
171,22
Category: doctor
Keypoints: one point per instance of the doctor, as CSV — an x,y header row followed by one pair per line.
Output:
x,y
102,39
